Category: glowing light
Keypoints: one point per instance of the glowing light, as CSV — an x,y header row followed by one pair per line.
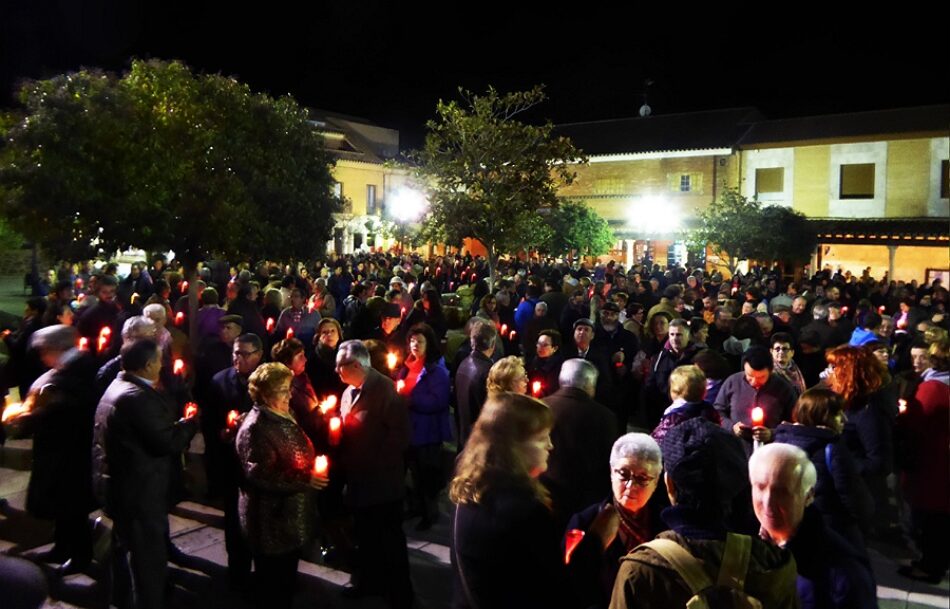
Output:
x,y
391,360
191,410
321,465
571,541
13,411
536,388
328,404
290,333
653,214
179,366
184,287
407,205
504,329
336,430
270,324
179,318
83,344
400,385
104,335
901,406
233,416
758,416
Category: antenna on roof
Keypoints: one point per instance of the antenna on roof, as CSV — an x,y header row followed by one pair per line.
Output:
x,y
645,109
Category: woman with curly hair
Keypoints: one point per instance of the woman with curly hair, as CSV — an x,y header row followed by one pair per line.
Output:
x,y
505,545
870,403
507,374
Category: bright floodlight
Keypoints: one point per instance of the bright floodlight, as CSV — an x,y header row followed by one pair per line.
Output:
x,y
407,205
653,215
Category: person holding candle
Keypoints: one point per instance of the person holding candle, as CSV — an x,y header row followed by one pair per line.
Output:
x,y
426,390
505,541
278,464
600,535
545,366
755,387
303,399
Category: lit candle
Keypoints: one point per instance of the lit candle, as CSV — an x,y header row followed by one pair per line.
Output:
x,y
758,416
79,283
179,367
336,430
179,318
135,297
571,541
512,335
504,329
81,298
233,416
880,309
83,343
270,324
104,335
391,360
13,411
536,388
184,287
400,385
844,310
290,333
191,410
901,406
403,310
328,404
321,465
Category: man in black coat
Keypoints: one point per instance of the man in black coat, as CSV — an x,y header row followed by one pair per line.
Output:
x,y
621,346
375,437
62,403
135,436
229,392
585,349
471,379
583,434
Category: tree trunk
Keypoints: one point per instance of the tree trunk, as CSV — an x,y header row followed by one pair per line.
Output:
x,y
492,261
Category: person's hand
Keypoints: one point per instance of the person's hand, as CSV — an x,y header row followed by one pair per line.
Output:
x,y
318,481
606,524
742,430
762,434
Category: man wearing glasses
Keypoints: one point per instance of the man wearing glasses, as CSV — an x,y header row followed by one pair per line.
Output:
x,y
229,392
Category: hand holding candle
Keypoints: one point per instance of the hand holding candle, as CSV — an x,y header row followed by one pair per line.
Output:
x,y
178,368
270,324
758,418
328,404
104,335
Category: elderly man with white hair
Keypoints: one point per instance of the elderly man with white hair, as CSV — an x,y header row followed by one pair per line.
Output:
x,y
583,434
831,573
600,535
135,328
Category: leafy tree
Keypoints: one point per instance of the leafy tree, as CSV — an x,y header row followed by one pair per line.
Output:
x,y
739,228
161,158
575,227
487,174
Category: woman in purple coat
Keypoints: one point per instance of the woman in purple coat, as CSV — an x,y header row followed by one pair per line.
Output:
x,y
424,382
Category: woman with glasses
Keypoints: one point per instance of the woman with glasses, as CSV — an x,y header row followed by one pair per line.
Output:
x,y
599,536
278,466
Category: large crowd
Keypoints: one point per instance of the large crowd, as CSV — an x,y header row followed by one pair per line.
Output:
x,y
787,423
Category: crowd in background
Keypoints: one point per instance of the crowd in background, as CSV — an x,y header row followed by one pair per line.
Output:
x,y
788,423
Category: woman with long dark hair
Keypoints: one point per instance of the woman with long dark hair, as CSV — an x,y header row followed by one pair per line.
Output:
x,y
505,545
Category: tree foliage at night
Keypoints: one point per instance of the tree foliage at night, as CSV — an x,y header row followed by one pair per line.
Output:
x,y
161,158
487,175
575,227
739,228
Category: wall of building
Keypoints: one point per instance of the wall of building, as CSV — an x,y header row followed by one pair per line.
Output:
x,y
908,178
355,176
910,262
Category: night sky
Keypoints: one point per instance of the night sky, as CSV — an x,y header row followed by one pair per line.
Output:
x,y
390,64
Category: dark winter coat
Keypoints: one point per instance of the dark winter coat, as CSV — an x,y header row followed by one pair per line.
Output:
x,y
429,404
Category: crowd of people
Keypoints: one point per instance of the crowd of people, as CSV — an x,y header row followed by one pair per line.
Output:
x,y
787,423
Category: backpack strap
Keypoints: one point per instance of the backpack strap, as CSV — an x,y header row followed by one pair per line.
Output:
x,y
735,561
686,565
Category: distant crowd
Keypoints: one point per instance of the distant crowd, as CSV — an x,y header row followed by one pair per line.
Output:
x,y
787,424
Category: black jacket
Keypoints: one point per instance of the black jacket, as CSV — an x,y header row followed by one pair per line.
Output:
x,y
471,391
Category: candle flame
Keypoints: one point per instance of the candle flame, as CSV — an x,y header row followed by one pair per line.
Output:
x,y
290,333
184,287
391,360
902,406
321,464
104,335
179,318
179,366
270,324
336,423
191,410
83,343
536,388
758,415
400,385
328,404
14,410
233,416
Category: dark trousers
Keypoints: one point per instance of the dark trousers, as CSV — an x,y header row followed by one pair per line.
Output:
x,y
425,468
239,554
140,561
275,579
73,536
933,528
383,559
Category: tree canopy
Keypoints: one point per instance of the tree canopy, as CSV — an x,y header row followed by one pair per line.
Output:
x,y
575,227
487,175
161,158
740,228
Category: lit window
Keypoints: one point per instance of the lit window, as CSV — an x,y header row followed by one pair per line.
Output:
x,y
338,190
857,181
370,199
769,180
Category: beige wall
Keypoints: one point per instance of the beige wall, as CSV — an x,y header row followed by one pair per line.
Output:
x,y
908,178
910,262
812,165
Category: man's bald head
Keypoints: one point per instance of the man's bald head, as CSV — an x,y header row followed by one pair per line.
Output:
x,y
783,485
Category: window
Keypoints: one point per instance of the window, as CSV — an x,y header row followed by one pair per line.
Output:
x,y
769,180
685,182
370,199
945,179
338,190
857,181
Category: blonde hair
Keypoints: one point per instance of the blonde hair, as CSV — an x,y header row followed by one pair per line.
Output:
x,y
503,374
493,456
267,380
687,382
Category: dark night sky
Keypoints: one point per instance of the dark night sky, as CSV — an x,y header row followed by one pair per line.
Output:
x,y
390,63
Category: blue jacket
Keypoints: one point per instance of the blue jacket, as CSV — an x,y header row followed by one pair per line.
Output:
x,y
524,313
429,405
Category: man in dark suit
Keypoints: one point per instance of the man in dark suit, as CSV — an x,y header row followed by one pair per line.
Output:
x,y
471,379
583,434
375,437
229,392
135,434
583,339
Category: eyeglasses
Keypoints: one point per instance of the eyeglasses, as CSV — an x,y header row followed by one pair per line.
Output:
x,y
246,354
626,476
781,349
